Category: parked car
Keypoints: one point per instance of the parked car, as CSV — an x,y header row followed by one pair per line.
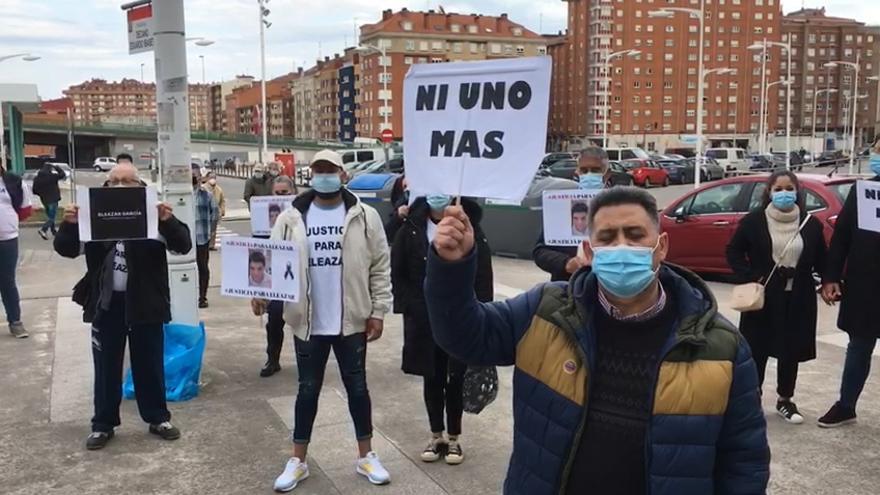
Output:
x,y
104,163
830,157
797,163
565,169
621,154
551,158
685,152
395,166
674,167
701,223
762,162
730,158
710,171
646,173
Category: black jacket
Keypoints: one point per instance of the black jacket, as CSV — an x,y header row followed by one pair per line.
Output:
x,y
394,222
552,259
780,329
147,296
854,260
409,254
46,184
13,188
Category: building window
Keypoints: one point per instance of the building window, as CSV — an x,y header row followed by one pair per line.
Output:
x,y
693,28
456,28
408,60
758,30
667,71
638,28
667,57
517,31
457,47
473,29
636,99
520,50
667,84
669,43
407,26
437,46
423,46
495,48
650,28
637,84
670,28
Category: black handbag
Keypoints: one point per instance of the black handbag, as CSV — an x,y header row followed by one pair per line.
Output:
x,y
480,388
82,291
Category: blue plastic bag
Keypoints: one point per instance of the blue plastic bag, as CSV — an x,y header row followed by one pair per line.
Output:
x,y
184,348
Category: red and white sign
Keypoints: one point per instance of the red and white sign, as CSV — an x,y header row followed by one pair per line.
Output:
x,y
140,29
387,136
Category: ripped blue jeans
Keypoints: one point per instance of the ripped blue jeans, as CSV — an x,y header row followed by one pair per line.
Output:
x,y
311,362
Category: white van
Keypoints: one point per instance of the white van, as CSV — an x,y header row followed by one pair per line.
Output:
x,y
730,158
619,154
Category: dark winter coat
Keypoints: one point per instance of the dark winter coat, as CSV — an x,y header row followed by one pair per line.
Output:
x,y
854,261
257,186
147,296
46,184
780,329
552,259
409,254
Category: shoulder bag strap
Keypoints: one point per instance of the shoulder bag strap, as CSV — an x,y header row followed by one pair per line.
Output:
x,y
787,245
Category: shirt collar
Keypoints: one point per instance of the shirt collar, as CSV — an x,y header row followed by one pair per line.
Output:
x,y
645,315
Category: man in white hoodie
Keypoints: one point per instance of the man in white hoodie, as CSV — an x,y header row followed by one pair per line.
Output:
x,y
345,287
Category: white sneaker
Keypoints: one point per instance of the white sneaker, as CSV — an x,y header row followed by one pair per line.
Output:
x,y
371,467
294,472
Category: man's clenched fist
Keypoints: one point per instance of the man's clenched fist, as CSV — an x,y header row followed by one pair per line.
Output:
x,y
454,239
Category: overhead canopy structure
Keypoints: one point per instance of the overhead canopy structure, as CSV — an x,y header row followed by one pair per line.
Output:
x,y
15,99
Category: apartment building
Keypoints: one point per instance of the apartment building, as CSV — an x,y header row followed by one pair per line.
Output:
x,y
305,104
328,97
130,102
219,92
652,96
409,37
244,104
818,40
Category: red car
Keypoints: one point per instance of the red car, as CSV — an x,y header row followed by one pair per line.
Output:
x,y
646,173
701,223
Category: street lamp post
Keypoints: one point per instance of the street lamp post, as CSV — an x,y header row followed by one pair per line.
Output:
x,y
606,66
701,17
855,105
27,57
762,132
827,107
264,24
813,133
765,118
698,162
787,47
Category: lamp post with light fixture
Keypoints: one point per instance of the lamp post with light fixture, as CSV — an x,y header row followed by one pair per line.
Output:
x,y
264,24
855,105
813,134
606,66
764,46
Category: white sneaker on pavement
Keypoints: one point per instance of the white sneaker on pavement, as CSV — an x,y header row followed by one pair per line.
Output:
x,y
294,472
372,468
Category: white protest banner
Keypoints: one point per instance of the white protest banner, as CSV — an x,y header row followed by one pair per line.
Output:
x,y
265,211
140,29
476,128
260,268
566,215
117,213
868,205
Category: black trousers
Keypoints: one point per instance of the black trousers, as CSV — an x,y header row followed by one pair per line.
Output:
x,y
146,348
444,389
275,330
203,254
786,374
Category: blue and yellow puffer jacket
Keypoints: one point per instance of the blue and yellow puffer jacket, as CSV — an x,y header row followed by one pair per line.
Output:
x,y
707,434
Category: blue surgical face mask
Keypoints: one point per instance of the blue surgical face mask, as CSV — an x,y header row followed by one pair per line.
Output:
x,y
874,163
326,183
438,202
624,271
591,181
784,200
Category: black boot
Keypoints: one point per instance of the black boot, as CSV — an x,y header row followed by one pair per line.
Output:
x,y
272,366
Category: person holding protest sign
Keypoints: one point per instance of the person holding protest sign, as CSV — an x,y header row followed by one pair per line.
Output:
x,y
125,296
443,375
207,217
281,186
15,205
853,277
345,282
258,184
562,261
627,378
778,246
214,188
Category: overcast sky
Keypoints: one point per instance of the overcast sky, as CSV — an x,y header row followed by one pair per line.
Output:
x,y
81,39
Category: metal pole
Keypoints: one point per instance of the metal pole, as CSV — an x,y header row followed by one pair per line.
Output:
x,y
606,108
827,103
383,52
735,113
788,112
813,132
699,150
2,138
71,155
204,80
174,149
761,129
264,151
855,112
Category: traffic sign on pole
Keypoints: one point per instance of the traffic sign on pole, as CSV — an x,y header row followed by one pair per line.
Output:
x,y
387,136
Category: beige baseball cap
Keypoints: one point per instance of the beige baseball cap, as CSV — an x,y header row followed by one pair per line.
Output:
x,y
328,156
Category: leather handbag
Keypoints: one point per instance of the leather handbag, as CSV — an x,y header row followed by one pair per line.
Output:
x,y
750,296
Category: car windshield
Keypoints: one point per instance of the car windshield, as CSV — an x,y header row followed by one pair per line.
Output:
x,y
631,165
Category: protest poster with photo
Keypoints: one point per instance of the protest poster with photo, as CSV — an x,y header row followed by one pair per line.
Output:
x,y
476,129
260,268
868,205
265,211
117,213
566,215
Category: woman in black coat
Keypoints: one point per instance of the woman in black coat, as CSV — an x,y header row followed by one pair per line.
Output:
x,y
786,327
853,277
443,375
